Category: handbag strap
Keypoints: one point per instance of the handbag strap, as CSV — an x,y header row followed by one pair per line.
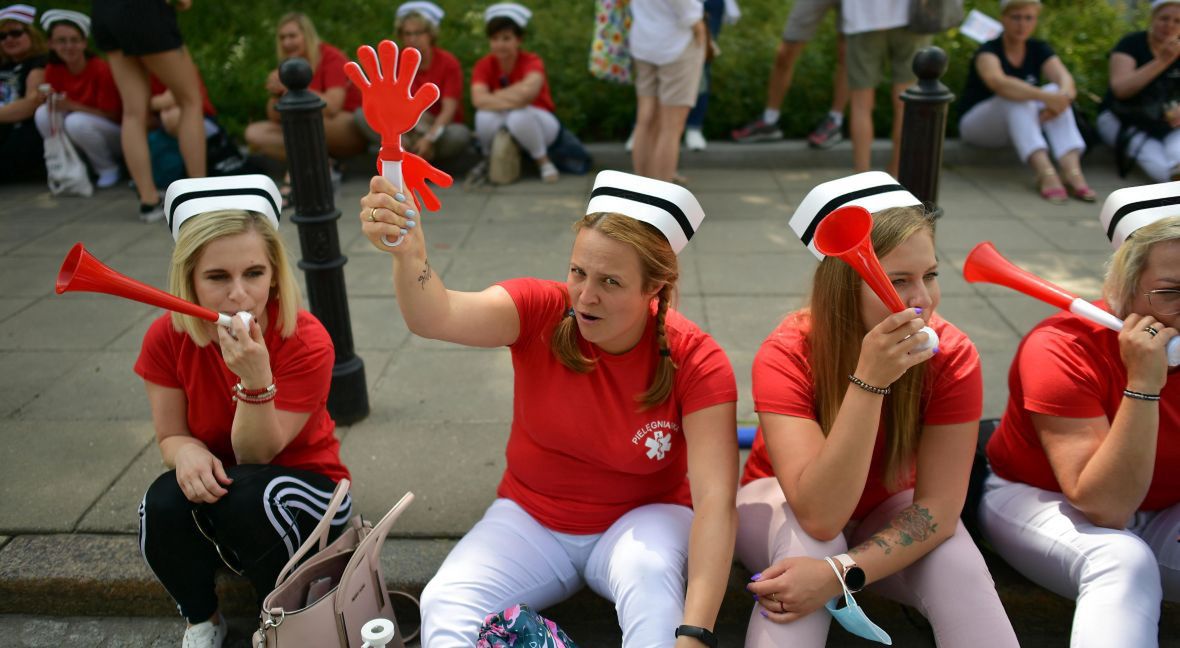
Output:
x,y
369,550
319,534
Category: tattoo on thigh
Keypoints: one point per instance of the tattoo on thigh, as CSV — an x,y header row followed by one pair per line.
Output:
x,y
425,276
912,524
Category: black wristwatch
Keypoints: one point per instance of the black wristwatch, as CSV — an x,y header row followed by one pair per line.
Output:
x,y
700,634
854,576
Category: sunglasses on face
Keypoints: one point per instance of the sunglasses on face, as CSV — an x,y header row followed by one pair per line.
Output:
x,y
12,33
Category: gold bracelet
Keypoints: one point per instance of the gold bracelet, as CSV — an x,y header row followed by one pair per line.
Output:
x,y
880,391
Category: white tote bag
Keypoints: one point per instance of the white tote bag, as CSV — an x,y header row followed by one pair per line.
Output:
x,y
66,170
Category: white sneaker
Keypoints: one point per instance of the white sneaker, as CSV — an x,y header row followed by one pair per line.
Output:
x,y
630,144
694,140
205,635
549,173
107,178
152,213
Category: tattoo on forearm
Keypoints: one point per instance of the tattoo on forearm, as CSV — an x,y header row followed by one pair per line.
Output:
x,y
912,524
425,276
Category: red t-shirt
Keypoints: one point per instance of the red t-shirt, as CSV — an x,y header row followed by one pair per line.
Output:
x,y
207,108
952,393
446,73
580,453
330,74
302,368
1071,367
487,71
94,87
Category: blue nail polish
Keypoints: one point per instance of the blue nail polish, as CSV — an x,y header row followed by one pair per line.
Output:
x,y
764,614
935,352
404,232
410,223
918,310
410,213
757,576
399,197
755,597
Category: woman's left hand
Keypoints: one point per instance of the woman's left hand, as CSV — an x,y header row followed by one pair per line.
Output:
x,y
795,587
244,352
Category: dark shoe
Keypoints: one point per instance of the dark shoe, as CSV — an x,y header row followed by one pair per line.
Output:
x,y
152,213
757,131
826,135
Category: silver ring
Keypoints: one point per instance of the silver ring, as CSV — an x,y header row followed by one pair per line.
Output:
x,y
1151,331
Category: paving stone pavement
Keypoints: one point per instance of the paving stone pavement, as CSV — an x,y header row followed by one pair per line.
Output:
x,y
75,428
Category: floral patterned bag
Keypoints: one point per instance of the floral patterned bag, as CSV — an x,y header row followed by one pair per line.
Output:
x,y
520,626
610,58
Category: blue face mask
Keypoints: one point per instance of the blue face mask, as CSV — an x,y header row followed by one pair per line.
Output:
x,y
852,617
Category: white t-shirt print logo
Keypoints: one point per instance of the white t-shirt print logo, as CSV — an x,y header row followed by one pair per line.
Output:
x,y
658,445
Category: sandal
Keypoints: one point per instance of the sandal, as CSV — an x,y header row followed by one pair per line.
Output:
x,y
1083,191
1055,195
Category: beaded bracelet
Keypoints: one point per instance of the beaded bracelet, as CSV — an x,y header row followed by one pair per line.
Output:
x,y
880,391
1140,395
254,396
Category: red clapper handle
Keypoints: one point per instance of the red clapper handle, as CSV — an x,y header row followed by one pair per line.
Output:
x,y
392,110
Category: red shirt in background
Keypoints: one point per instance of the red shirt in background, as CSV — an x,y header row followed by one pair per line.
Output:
x,y
487,71
94,87
446,73
581,453
1070,367
330,74
302,369
952,393
206,106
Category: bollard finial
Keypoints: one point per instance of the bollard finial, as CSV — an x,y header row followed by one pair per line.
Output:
x,y
929,64
295,73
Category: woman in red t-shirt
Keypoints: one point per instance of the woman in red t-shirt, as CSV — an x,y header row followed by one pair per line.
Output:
x,y
619,400
240,415
510,91
88,94
296,36
1084,498
865,442
440,135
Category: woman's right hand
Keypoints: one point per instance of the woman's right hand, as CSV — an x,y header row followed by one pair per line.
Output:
x,y
1144,355
200,475
886,353
1055,104
1169,52
274,85
388,212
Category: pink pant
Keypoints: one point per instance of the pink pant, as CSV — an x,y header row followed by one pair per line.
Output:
x,y
951,585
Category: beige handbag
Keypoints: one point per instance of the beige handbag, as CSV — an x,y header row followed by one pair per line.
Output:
x,y
503,159
325,601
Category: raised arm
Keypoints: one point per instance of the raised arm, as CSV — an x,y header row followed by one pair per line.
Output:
x,y
483,319
1127,80
711,437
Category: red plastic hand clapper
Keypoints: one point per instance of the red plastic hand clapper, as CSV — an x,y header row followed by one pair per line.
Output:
x,y
392,109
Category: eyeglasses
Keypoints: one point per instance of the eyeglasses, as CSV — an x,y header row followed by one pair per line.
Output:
x,y
406,33
1165,301
67,41
236,564
12,33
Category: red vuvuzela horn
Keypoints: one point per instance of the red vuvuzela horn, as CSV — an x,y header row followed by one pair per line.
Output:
x,y
845,234
81,272
985,264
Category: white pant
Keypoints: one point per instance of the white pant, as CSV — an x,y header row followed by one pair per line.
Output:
x,y
1118,577
533,128
1156,157
507,558
97,138
1000,122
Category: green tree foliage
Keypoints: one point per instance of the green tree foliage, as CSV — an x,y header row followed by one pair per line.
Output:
x,y
234,45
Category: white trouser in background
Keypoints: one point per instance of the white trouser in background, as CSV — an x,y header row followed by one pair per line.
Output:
x,y
97,138
1118,577
1159,159
533,128
1002,122
508,557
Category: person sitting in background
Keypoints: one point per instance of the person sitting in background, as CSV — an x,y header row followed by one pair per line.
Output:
x,y
440,134
1084,496
22,71
1004,104
1140,117
167,112
88,94
296,36
509,89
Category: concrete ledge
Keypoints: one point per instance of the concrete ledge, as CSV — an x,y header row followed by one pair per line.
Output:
x,y
104,575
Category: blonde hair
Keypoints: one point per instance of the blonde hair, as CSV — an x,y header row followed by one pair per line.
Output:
x,y
311,38
430,27
837,329
1127,263
660,267
198,232
37,44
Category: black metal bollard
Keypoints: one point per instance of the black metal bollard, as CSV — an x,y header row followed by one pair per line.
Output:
x,y
316,216
923,127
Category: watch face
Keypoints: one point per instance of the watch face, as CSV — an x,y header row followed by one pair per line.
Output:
x,y
854,578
